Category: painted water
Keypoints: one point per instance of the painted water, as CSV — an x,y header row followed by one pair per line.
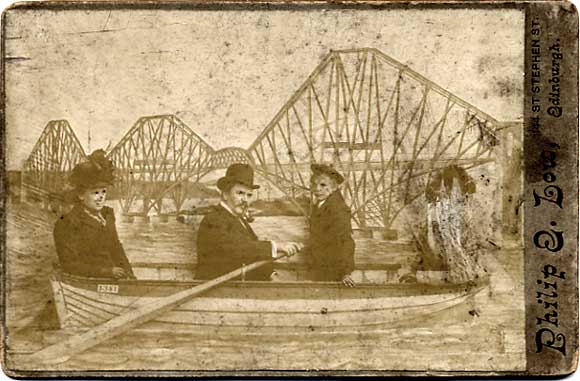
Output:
x,y
486,334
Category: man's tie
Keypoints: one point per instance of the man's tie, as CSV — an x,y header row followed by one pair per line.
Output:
x,y
248,227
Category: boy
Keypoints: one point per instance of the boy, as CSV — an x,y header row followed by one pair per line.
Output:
x,y
331,244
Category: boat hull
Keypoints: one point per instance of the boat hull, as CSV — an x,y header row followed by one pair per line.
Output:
x,y
255,307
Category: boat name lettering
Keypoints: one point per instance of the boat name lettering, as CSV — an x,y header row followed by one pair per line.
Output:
x,y
108,288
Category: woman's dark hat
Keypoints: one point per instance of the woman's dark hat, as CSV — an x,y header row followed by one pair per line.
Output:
x,y
323,169
446,176
238,174
96,171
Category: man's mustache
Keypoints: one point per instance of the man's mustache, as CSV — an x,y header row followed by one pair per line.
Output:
x,y
246,211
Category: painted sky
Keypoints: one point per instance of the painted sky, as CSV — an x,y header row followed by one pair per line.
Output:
x,y
226,73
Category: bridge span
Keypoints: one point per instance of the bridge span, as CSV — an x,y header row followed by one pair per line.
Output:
x,y
387,128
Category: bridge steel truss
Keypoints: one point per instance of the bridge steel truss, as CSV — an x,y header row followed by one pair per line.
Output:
x,y
56,152
385,127
227,156
220,159
155,160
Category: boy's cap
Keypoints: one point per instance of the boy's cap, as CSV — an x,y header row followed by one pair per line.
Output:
x,y
323,169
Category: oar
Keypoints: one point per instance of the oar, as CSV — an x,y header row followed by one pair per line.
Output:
x,y
62,351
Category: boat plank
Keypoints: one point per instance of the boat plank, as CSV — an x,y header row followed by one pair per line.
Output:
x,y
280,306
80,322
309,306
81,304
319,320
87,318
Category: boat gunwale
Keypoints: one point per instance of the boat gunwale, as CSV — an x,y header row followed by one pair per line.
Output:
x,y
442,286
466,294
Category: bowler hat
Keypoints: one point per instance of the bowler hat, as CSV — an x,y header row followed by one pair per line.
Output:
x,y
96,171
238,173
323,169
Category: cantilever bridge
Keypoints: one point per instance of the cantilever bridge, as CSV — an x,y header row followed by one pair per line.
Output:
x,y
384,126
54,155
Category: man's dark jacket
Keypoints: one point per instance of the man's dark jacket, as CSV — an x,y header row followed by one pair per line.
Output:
x,y
331,245
225,243
87,248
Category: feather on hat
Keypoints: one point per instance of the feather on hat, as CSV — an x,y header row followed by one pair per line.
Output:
x,y
96,171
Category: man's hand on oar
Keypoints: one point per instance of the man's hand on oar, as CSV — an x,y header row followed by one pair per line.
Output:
x,y
290,248
348,281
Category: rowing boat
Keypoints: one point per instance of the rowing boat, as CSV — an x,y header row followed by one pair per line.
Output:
x,y
251,307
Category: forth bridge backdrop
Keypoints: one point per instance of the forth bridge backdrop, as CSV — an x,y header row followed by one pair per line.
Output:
x,y
387,128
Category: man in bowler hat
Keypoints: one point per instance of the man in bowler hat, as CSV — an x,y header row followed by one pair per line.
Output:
x,y
225,239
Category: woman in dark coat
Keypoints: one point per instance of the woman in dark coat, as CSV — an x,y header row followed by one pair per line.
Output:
x,y
331,246
86,238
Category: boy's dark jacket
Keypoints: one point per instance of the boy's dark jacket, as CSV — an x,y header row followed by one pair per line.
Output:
x,y
331,249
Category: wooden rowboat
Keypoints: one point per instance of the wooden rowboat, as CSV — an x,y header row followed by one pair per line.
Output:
x,y
255,307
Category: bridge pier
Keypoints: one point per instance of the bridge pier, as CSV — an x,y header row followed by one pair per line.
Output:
x,y
134,218
144,218
127,218
361,233
377,233
159,218
141,219
390,234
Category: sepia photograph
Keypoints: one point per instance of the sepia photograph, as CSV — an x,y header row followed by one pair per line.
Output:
x,y
224,189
